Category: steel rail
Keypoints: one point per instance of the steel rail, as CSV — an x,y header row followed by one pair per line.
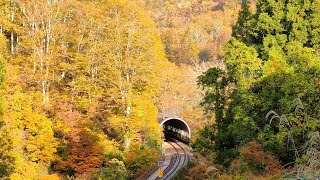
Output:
x,y
173,161
185,155
169,171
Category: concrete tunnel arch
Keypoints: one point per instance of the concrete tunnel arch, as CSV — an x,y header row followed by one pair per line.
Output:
x,y
181,122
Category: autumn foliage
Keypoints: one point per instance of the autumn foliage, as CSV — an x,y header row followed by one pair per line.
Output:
x,y
82,153
254,161
82,83
139,161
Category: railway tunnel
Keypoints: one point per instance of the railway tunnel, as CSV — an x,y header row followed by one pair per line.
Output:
x,y
176,128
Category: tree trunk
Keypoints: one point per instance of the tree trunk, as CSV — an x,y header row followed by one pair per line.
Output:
x,y
12,30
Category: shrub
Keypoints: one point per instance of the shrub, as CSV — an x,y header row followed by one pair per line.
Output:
x,y
139,161
254,161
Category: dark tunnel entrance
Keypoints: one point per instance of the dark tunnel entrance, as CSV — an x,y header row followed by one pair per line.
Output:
x,y
176,128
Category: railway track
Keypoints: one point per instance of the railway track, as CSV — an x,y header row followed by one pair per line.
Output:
x,y
178,160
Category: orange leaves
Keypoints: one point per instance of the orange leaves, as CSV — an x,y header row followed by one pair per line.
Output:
x,y
253,161
84,153
252,152
81,152
202,171
50,177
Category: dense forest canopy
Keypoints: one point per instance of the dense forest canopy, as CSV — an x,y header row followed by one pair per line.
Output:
x,y
84,83
81,86
268,92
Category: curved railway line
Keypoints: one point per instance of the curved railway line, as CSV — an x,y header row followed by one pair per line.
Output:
x,y
178,160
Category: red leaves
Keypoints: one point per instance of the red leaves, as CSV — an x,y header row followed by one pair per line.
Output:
x,y
253,160
252,152
83,152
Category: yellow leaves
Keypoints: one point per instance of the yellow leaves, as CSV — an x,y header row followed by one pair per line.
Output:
x,y
108,146
3,45
143,107
142,120
59,126
50,177
103,57
139,161
27,170
32,136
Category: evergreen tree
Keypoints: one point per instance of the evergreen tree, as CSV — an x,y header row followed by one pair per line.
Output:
x,y
241,28
271,60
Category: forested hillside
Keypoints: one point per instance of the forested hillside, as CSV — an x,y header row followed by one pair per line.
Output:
x,y
84,83
194,33
266,101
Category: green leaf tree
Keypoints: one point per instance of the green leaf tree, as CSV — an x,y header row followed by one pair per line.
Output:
x,y
271,60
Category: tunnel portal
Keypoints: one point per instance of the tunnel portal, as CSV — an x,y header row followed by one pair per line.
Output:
x,y
176,128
